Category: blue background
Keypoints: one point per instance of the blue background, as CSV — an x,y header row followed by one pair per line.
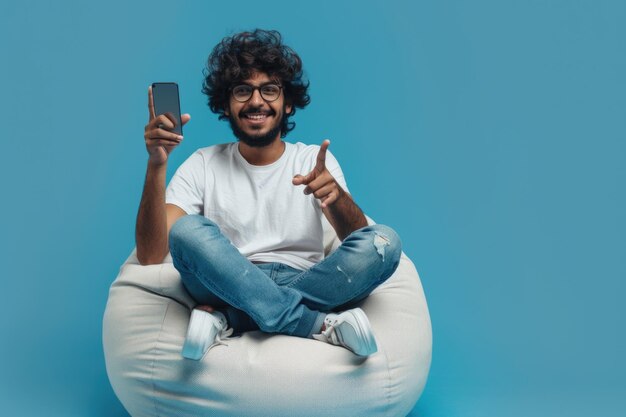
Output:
x,y
490,134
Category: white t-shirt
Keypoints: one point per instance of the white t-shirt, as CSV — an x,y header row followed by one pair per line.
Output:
x,y
258,208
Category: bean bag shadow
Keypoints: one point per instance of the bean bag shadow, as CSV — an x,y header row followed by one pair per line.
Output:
x,y
260,374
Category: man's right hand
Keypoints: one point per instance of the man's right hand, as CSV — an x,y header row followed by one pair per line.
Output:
x,y
160,140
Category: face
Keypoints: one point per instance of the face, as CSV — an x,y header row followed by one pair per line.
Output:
x,y
257,122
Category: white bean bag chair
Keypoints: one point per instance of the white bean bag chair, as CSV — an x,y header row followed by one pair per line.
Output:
x,y
260,374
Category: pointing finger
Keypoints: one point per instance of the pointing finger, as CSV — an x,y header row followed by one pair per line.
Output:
x,y
321,156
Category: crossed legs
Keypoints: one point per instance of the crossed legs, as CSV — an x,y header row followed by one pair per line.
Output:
x,y
215,273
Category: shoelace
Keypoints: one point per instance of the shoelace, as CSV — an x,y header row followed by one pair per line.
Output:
x,y
220,337
328,335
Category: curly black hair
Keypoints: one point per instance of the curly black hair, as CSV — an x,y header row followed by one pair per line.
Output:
x,y
236,57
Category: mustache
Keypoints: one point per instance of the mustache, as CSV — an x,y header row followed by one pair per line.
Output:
x,y
256,111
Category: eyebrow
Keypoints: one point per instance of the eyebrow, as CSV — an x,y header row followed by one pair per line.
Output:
x,y
260,85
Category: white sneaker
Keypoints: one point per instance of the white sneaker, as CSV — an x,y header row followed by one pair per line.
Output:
x,y
205,331
350,329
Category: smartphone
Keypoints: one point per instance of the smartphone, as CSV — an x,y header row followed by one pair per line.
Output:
x,y
166,101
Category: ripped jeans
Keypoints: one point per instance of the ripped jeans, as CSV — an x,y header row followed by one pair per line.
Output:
x,y
274,297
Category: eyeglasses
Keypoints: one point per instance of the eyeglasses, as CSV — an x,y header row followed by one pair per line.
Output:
x,y
243,92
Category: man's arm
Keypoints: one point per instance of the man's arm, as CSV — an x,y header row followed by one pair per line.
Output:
x,y
344,215
155,218
341,211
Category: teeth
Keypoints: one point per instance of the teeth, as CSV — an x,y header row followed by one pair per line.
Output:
x,y
256,116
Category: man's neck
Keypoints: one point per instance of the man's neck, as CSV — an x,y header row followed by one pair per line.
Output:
x,y
264,155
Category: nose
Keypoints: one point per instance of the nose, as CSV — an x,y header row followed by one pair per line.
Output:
x,y
256,99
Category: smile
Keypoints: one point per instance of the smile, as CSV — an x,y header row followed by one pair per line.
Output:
x,y
256,118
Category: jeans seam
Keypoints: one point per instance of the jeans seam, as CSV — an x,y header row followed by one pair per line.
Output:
x,y
299,278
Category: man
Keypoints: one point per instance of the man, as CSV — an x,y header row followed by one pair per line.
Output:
x,y
242,220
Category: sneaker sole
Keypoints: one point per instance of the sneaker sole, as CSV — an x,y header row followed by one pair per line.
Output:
x,y
365,333
199,325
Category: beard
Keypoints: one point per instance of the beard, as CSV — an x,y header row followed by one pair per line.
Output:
x,y
258,140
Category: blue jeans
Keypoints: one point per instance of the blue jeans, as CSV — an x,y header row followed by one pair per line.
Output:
x,y
274,297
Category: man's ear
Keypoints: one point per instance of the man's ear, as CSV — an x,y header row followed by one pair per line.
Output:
x,y
288,108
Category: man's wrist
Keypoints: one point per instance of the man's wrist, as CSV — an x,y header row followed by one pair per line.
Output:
x,y
156,165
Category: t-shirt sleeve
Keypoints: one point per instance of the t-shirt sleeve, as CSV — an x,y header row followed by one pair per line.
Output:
x,y
186,188
335,170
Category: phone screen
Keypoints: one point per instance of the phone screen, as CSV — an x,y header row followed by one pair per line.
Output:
x,y
166,101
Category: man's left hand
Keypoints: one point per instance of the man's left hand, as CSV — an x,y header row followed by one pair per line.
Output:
x,y
320,182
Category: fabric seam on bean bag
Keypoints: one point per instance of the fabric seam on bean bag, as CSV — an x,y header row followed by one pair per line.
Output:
x,y
154,349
